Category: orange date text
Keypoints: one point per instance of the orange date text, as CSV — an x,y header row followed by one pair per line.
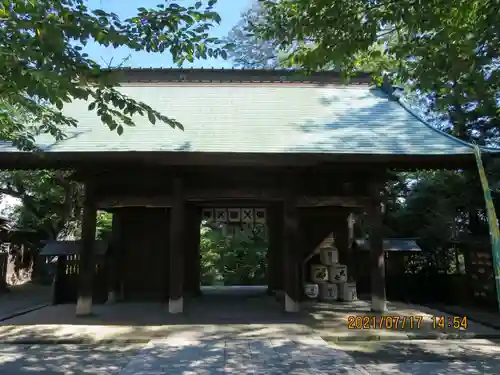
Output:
x,y
384,322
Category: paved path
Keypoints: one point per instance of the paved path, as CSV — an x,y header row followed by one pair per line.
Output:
x,y
423,357
23,297
159,357
65,359
184,355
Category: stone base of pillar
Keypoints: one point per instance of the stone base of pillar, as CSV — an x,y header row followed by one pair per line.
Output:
x,y
111,297
378,305
176,306
290,304
84,306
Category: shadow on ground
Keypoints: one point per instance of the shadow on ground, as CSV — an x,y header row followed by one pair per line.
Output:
x,y
65,359
189,351
240,333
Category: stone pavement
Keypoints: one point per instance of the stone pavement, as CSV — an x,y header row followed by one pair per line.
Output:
x,y
424,357
70,359
200,352
374,358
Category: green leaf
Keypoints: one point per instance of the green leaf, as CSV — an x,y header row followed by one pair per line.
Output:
x,y
151,117
44,62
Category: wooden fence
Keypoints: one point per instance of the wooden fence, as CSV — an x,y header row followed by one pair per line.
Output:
x,y
66,278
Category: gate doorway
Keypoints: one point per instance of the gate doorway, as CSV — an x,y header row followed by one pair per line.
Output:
x,y
233,251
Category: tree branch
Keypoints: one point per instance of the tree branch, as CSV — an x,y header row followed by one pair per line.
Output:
x,y
11,192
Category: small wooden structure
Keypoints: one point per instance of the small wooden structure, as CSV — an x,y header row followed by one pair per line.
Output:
x,y
397,253
63,260
305,148
478,276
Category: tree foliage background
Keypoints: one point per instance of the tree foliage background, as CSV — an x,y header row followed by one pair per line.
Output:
x,y
233,255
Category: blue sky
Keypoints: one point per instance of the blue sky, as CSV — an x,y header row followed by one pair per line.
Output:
x,y
229,10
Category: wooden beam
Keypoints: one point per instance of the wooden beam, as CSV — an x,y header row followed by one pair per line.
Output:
x,y
218,197
333,201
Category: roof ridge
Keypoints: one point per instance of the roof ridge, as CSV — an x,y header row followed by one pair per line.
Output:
x,y
235,75
213,69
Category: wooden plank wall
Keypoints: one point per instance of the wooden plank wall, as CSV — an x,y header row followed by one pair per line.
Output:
x,y
144,246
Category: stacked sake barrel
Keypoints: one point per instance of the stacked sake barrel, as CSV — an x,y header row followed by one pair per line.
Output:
x,y
330,276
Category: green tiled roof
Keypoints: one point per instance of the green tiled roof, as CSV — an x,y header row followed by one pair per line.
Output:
x,y
260,118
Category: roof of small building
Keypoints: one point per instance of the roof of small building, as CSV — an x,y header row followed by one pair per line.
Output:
x,y
247,111
392,244
53,248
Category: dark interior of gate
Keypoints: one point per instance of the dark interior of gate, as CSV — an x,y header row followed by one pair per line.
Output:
x,y
138,265
142,236
141,239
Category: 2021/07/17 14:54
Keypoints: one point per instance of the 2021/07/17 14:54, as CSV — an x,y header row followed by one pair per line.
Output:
x,y
384,322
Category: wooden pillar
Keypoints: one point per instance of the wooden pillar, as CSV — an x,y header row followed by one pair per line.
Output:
x,y
274,237
196,276
290,252
350,228
113,255
377,261
192,251
279,248
351,260
177,224
87,265
341,234
58,287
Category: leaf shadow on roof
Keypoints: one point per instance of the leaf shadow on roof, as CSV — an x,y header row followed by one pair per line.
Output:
x,y
72,134
382,127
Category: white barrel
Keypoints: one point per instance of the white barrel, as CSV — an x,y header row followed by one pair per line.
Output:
x,y
319,273
328,292
311,291
347,292
329,256
337,273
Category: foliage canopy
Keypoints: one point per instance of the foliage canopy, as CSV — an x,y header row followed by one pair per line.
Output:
x,y
448,50
43,63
